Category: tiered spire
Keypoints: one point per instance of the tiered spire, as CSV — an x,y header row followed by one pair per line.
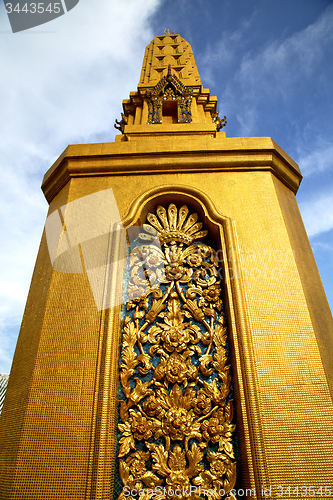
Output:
x,y
165,50
169,93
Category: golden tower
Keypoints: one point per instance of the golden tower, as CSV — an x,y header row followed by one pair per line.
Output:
x,y
174,274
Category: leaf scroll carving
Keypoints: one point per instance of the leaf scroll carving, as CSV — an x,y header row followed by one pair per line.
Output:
x,y
176,413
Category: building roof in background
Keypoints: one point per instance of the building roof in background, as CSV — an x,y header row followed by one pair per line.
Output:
x,y
3,388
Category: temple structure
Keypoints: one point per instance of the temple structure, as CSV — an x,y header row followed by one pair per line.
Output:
x,y
177,338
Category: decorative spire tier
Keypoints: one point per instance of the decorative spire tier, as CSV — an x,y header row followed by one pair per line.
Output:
x,y
165,50
169,94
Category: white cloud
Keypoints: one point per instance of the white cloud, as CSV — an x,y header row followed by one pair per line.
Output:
x,y
326,247
224,51
63,84
319,160
269,75
5,354
318,214
14,290
286,62
57,88
13,296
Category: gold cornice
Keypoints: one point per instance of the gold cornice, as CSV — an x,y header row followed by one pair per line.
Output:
x,y
200,154
177,131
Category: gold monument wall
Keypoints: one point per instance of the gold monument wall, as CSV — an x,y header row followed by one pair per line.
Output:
x,y
285,359
277,363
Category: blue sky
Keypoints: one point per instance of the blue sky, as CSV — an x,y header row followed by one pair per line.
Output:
x,y
269,63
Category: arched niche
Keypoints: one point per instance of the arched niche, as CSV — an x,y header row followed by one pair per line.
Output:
x,y
222,230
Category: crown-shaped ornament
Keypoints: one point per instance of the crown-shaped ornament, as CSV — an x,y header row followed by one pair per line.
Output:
x,y
172,226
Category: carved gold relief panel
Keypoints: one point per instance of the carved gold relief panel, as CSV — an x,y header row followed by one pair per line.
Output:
x,y
176,432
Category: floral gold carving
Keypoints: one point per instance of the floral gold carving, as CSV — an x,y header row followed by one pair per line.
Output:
x,y
176,413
